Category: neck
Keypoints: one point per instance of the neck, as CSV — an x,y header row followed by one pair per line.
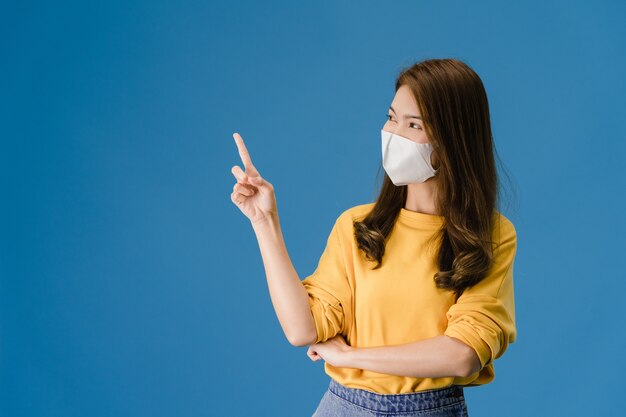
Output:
x,y
421,197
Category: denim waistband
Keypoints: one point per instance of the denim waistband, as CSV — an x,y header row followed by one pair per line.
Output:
x,y
411,401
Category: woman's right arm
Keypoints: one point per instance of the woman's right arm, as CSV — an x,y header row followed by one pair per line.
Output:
x,y
255,198
288,295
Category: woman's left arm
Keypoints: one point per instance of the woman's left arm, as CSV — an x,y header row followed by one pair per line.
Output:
x,y
439,356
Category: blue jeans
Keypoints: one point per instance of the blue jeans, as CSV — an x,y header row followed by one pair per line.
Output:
x,y
342,401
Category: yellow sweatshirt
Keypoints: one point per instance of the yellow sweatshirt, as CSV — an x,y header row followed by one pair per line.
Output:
x,y
399,302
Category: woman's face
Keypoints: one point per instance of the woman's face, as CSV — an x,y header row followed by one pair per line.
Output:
x,y
404,119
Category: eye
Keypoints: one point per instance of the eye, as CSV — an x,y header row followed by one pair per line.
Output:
x,y
415,124
389,117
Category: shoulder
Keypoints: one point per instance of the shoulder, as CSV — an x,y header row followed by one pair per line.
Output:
x,y
503,229
344,224
354,213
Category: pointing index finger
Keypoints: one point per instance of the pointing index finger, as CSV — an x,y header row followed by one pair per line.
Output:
x,y
243,151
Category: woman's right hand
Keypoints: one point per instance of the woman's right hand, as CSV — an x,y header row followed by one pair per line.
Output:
x,y
252,194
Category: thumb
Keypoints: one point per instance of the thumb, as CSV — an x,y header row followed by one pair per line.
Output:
x,y
256,180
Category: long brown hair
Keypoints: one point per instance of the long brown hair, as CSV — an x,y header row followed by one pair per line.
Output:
x,y
455,112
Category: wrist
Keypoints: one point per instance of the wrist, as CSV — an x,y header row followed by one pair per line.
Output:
x,y
268,227
349,357
270,220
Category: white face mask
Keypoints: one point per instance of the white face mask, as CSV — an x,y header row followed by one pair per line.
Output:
x,y
406,161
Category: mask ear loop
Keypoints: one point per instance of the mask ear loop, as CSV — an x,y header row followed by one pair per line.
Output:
x,y
430,164
432,150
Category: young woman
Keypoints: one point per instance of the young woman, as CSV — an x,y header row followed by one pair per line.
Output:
x,y
412,299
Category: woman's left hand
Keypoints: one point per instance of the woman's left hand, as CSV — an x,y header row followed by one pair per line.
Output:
x,y
334,351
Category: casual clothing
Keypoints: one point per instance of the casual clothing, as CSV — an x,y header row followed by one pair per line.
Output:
x,y
341,401
399,303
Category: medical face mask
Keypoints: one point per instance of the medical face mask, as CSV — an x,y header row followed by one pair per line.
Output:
x,y
406,161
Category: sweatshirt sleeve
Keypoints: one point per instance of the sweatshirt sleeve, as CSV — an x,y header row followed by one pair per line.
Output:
x,y
484,315
330,295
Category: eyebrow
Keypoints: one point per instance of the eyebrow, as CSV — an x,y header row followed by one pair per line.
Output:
x,y
407,116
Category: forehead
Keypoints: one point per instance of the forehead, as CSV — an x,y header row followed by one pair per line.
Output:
x,y
404,102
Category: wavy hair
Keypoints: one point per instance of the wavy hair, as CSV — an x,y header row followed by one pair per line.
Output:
x,y
455,112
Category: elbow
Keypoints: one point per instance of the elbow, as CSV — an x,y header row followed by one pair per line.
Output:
x,y
302,339
297,341
471,364
466,360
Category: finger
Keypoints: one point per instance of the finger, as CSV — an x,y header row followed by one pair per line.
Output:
x,y
247,180
240,196
237,198
244,154
313,356
243,189
246,186
241,176
260,182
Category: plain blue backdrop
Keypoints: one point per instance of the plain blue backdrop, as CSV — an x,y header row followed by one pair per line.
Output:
x,y
131,285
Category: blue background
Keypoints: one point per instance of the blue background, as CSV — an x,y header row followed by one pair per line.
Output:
x,y
131,285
